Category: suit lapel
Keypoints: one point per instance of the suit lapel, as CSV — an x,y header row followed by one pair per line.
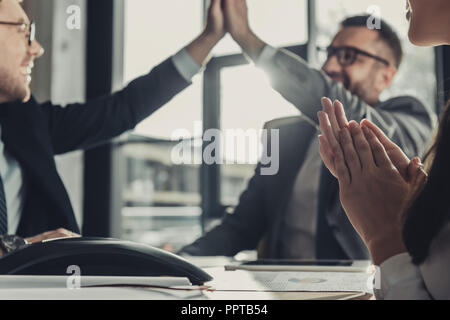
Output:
x,y
23,133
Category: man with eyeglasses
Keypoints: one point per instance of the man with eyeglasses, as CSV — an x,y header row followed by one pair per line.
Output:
x,y
297,214
33,199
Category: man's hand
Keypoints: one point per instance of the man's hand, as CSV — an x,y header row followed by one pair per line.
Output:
x,y
215,26
56,234
215,30
237,24
236,17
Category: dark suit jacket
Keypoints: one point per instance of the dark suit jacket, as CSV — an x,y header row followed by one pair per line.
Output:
x,y
258,219
34,133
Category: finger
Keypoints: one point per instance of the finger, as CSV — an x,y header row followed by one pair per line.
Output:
x,y
340,114
327,131
329,110
350,154
362,146
336,165
216,5
387,143
379,152
326,154
395,153
341,169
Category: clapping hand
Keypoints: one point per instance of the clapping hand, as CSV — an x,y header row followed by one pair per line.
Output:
x,y
375,178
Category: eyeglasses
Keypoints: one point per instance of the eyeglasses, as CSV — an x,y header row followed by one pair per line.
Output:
x,y
24,27
346,55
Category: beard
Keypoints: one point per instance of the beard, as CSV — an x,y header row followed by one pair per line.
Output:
x,y
11,89
342,78
361,89
365,89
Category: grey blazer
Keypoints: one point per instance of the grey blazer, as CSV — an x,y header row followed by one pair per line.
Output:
x,y
257,220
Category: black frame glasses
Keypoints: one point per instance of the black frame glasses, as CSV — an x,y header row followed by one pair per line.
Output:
x,y
31,28
346,55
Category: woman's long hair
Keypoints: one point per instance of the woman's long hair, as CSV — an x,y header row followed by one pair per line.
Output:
x,y
429,210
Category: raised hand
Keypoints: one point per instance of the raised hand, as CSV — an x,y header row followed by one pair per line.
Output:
x,y
201,47
236,15
215,25
237,24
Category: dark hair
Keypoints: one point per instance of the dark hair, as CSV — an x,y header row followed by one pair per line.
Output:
x,y
429,211
386,34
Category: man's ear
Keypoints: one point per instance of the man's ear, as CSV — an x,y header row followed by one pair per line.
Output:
x,y
387,76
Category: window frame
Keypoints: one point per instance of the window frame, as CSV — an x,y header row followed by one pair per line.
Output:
x,y
210,178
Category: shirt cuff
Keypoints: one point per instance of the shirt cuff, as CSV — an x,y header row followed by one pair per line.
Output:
x,y
397,274
185,65
266,56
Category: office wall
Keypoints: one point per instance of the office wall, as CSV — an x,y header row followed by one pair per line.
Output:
x,y
60,74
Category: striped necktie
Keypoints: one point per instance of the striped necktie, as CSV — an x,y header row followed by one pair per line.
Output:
x,y
3,210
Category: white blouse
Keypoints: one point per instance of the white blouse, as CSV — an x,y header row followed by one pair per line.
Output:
x,y
402,280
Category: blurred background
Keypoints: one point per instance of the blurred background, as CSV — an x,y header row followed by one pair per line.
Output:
x,y
130,188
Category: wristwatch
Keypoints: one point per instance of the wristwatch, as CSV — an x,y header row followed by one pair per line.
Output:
x,y
9,243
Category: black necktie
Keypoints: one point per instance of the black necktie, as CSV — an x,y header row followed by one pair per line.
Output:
x,y
3,210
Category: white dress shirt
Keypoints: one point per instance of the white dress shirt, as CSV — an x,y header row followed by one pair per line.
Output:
x,y
403,280
300,222
12,176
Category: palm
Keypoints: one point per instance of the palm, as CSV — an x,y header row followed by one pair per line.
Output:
x,y
216,19
383,191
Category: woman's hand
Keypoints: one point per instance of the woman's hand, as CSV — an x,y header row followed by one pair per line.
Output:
x,y
333,119
375,179
373,192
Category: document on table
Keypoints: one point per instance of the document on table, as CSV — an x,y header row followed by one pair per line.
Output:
x,y
294,281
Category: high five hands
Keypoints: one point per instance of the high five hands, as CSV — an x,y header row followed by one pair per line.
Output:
x,y
226,16
231,16
375,177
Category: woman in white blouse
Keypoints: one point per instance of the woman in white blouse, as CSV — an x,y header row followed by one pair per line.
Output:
x,y
400,208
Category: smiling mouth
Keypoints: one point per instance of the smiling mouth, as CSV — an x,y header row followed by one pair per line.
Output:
x,y
26,72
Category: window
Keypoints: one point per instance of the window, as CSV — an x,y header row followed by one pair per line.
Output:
x,y
155,30
247,100
160,201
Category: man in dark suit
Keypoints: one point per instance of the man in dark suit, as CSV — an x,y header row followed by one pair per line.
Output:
x,y
296,214
33,199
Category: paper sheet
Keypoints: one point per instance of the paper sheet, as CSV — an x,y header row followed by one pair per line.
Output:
x,y
294,281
